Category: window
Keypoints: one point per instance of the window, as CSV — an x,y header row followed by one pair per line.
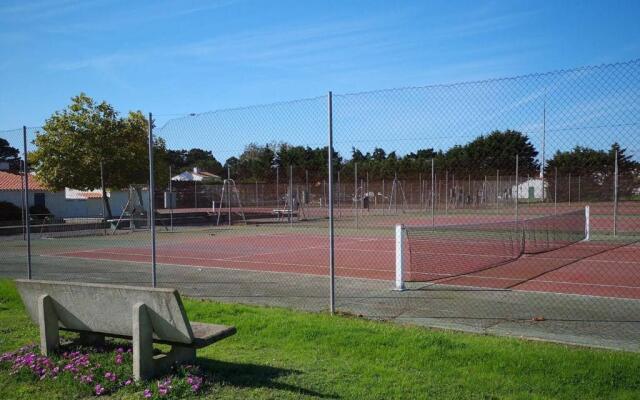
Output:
x,y
38,199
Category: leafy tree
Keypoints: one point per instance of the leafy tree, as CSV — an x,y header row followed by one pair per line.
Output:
x,y
596,171
10,155
495,151
186,160
74,143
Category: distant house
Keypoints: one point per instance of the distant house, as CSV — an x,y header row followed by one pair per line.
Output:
x,y
11,186
531,189
70,203
195,176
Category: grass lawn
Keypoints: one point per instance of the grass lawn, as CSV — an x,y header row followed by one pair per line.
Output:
x,y
278,353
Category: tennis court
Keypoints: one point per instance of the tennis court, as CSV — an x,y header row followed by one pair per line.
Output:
x,y
592,268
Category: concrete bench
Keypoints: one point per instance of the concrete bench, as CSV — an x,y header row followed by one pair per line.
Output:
x,y
141,314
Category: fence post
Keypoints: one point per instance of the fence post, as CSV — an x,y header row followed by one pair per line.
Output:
x,y
152,219
517,187
26,201
291,195
433,205
355,193
229,194
171,205
615,194
332,271
22,205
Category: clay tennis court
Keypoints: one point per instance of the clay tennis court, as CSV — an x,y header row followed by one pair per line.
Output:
x,y
587,268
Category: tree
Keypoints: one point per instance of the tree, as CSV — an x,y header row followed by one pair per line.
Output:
x,y
10,155
76,141
596,171
495,151
185,160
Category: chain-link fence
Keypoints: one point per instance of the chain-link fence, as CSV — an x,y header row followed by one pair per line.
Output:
x,y
507,206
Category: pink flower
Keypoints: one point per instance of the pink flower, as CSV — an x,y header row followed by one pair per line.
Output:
x,y
99,390
128,382
147,393
111,376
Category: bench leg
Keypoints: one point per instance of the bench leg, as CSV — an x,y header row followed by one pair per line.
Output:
x,y
92,339
48,322
143,363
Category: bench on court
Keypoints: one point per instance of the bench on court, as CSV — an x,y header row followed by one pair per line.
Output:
x,y
141,314
281,214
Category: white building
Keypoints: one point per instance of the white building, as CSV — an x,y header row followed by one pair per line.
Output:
x,y
531,189
195,176
69,203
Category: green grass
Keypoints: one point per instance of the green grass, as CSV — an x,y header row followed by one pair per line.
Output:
x,y
279,353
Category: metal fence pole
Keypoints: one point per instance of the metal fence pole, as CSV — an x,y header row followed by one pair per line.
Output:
x,y
517,187
332,272
27,221
170,199
615,194
291,195
24,196
229,194
152,219
433,205
544,144
355,193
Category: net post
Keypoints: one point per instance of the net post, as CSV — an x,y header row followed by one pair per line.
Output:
x,y
587,224
399,258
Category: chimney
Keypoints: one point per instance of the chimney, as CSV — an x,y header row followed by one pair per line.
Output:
x,y
196,170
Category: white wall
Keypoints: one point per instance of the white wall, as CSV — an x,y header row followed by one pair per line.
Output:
x,y
523,189
74,208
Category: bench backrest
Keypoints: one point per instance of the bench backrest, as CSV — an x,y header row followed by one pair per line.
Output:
x,y
109,308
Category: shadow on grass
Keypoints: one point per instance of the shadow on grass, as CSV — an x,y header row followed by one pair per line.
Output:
x,y
255,376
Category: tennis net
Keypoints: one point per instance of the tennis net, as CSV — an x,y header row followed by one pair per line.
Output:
x,y
430,253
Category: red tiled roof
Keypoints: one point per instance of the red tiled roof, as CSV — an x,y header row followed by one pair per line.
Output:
x,y
10,181
91,195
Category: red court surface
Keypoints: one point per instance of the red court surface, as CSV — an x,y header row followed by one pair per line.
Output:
x,y
588,268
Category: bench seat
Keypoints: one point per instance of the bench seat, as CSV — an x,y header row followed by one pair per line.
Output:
x,y
203,335
141,314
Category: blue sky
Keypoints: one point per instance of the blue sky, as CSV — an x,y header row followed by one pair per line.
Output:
x,y
178,57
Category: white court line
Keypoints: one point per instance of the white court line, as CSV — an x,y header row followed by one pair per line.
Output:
x,y
203,259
